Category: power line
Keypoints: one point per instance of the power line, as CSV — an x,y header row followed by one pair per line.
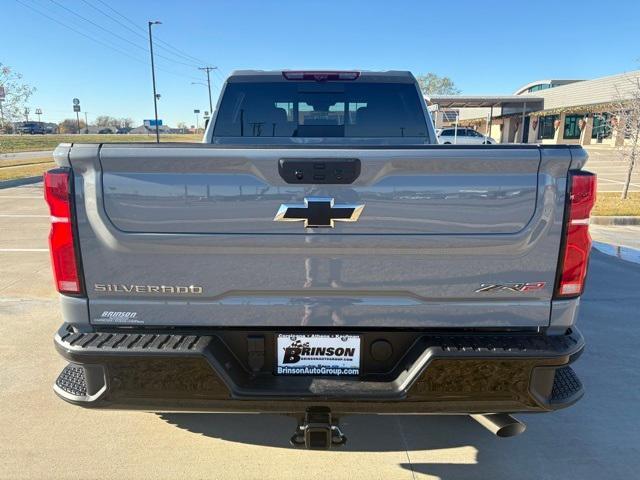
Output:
x,y
169,47
136,32
179,52
222,76
108,45
114,19
79,32
116,35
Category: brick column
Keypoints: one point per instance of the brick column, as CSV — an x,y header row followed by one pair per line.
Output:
x,y
533,132
558,136
585,134
617,135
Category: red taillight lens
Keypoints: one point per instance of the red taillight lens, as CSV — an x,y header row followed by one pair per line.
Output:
x,y
61,243
575,257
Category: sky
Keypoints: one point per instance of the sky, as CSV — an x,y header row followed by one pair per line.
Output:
x,y
97,50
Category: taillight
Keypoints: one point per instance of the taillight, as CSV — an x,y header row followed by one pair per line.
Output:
x,y
320,76
57,193
577,241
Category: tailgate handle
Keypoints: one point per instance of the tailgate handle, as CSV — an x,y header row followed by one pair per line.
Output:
x,y
319,170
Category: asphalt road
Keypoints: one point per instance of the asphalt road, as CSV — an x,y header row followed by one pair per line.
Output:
x,y
44,438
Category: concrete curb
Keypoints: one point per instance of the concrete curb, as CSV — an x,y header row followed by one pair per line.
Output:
x,y
613,220
623,253
20,181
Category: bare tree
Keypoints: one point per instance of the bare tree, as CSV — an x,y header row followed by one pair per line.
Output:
x,y
104,121
126,122
16,95
114,123
70,125
432,84
627,125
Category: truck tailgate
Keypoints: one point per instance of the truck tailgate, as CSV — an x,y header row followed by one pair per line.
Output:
x,y
185,235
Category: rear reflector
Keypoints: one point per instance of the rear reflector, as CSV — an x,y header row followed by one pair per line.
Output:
x,y
577,245
61,243
320,76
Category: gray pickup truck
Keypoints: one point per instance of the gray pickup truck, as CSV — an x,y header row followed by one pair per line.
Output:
x,y
319,255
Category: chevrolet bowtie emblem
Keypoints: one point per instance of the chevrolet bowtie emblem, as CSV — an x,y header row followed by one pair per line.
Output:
x,y
318,212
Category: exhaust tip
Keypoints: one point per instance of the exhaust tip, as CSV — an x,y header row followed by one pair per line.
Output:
x,y
502,425
512,429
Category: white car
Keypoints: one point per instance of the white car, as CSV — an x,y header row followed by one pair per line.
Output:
x,y
465,136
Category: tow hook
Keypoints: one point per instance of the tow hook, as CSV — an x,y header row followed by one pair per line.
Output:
x,y
317,430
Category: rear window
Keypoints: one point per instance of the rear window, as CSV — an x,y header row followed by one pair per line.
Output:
x,y
326,110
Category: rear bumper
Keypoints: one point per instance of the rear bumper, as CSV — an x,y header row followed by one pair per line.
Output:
x,y
214,371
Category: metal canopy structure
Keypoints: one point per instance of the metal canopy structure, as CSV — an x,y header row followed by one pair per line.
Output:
x,y
508,105
483,101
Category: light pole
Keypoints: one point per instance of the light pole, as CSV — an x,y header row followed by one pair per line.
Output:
x,y
26,113
39,112
208,69
86,122
153,78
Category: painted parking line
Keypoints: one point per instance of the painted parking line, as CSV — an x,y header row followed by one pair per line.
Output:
x,y
609,169
618,181
39,197
14,250
11,215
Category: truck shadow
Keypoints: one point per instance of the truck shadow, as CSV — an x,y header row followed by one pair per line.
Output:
x,y
558,445
271,430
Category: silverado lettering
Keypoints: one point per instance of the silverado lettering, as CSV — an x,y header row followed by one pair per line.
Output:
x,y
172,289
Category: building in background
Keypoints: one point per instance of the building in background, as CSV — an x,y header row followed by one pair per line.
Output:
x,y
544,111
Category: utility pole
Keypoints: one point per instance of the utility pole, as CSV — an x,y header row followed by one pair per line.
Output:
x,y
208,69
2,97
86,123
39,112
153,78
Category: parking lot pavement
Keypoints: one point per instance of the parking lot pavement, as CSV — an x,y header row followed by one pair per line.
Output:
x,y
621,235
46,438
611,170
24,155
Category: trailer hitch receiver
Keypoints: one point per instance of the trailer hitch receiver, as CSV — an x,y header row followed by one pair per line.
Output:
x,y
318,431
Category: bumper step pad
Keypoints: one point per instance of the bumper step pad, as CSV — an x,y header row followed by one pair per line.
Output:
x,y
566,386
72,381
